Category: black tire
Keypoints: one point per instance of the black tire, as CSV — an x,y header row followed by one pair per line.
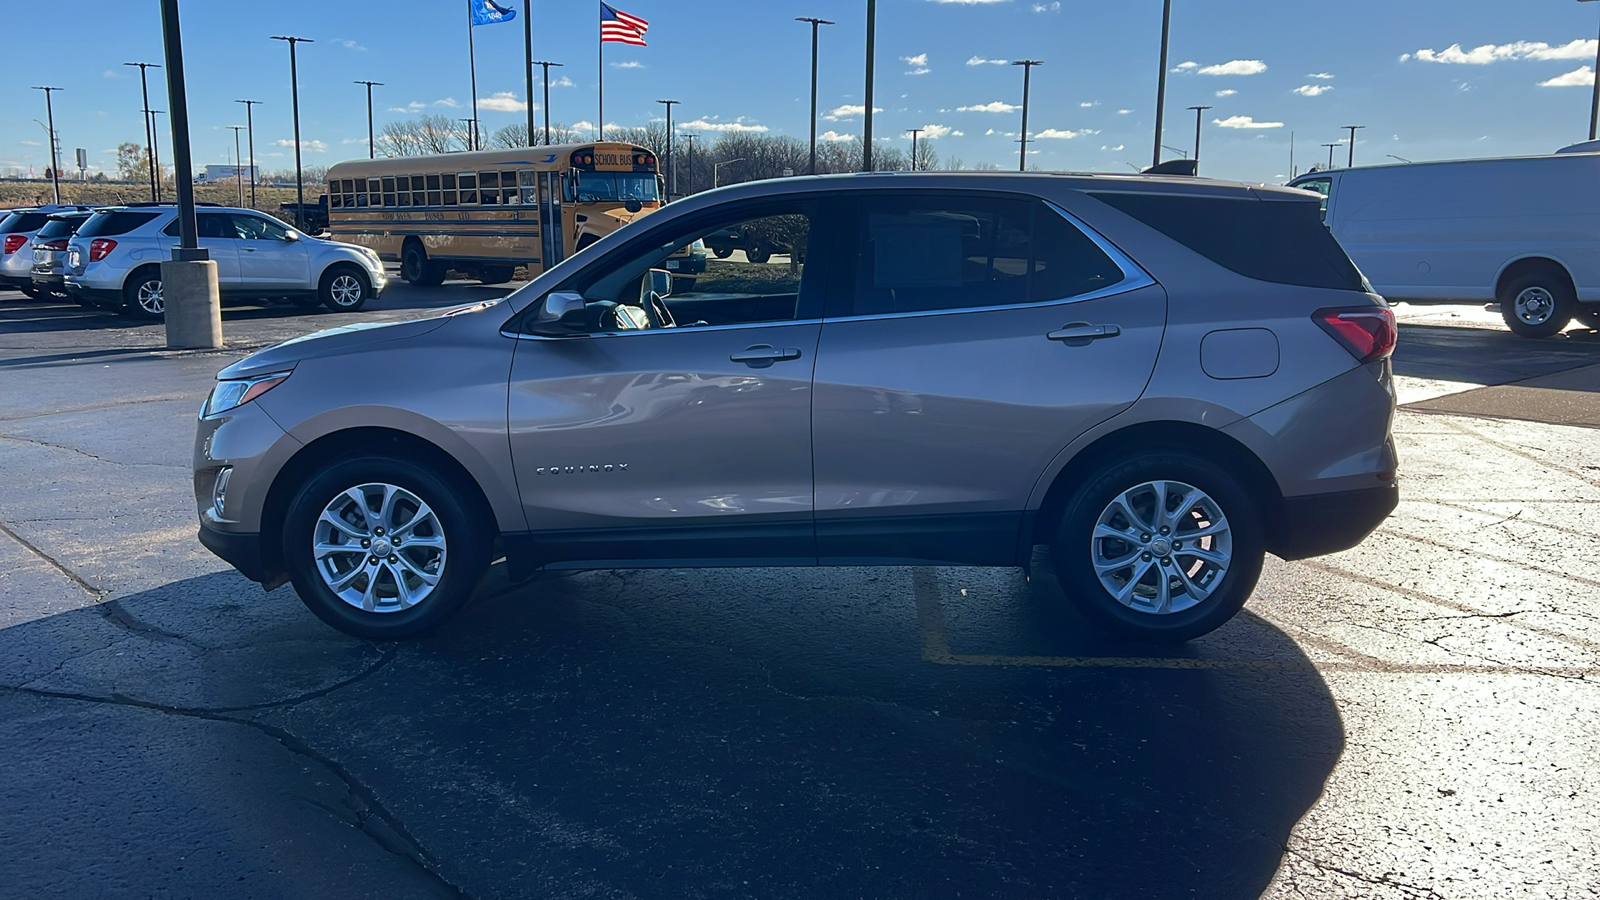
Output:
x,y
1546,301
1589,316
465,558
344,288
1072,553
417,269
722,252
496,274
758,254
142,295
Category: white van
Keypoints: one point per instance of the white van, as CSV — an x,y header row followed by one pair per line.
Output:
x,y
1521,230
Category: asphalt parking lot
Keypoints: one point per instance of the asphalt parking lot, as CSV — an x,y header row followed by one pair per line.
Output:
x,y
1417,717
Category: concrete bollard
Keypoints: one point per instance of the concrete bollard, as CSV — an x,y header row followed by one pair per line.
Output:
x,y
194,307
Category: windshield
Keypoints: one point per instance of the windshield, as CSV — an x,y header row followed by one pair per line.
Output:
x,y
56,228
109,223
23,221
596,187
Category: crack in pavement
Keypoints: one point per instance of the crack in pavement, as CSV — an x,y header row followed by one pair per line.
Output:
x,y
165,398
97,593
1386,879
96,457
367,813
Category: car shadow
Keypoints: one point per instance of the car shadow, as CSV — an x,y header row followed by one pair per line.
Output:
x,y
771,733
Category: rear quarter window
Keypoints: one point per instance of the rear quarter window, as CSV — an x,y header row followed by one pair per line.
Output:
x,y
23,222
1281,241
111,224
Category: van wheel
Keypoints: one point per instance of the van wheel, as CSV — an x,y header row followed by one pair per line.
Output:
x,y
344,289
416,269
382,548
143,296
1537,304
1162,547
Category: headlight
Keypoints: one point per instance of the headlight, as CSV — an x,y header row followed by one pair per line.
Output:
x,y
229,394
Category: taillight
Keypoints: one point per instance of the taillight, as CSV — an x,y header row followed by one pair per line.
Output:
x,y
1368,332
14,243
99,248
51,245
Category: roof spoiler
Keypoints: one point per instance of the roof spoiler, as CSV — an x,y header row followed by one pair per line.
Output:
x,y
1186,167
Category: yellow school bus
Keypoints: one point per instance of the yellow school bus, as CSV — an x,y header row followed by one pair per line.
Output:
x,y
485,212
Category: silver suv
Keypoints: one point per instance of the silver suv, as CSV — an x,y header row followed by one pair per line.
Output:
x,y
115,258
1161,379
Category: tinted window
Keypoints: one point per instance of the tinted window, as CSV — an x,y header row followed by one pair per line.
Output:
x,y
56,228
23,222
1321,186
115,222
960,253
1281,241
255,228
216,225
597,187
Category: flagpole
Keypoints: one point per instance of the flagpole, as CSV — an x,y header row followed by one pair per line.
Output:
x,y
472,57
600,123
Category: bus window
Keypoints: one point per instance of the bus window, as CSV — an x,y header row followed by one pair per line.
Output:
x,y
433,191
402,195
361,192
419,197
335,199
508,187
488,188
529,180
449,190
596,187
388,191
374,192
469,188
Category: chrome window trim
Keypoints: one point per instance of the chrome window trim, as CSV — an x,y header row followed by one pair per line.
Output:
x,y
1134,277
697,329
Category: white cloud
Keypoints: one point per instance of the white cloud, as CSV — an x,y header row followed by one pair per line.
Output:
x,y
346,43
630,64
1321,76
502,101
1052,6
921,59
1583,76
937,131
1244,122
1062,134
737,125
980,61
1186,66
1227,93
1313,90
307,146
1113,149
1488,53
922,71
998,106
831,135
413,106
27,143
1235,67
563,81
448,102
111,73
1088,103
1123,112
849,111
582,125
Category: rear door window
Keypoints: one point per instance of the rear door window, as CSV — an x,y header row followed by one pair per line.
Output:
x,y
115,222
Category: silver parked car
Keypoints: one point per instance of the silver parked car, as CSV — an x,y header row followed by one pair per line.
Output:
x,y
1161,379
50,252
17,230
115,260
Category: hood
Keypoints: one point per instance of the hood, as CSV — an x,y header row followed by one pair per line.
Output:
x,y
332,342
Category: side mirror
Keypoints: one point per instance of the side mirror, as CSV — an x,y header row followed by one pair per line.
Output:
x,y
632,205
656,282
560,313
293,236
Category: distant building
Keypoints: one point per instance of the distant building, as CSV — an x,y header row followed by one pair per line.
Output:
x,y
226,173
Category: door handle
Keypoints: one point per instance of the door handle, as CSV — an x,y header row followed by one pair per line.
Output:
x,y
760,356
1079,333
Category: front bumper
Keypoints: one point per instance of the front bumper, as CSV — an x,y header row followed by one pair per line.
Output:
x,y
242,550
1318,524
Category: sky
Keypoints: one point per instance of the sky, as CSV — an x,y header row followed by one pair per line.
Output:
x,y
1429,79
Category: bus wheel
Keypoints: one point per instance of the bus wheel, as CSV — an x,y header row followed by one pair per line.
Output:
x,y
416,269
496,274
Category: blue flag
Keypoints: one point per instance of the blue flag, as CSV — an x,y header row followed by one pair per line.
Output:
x,y
488,12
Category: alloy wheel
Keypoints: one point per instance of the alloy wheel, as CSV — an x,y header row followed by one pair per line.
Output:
x,y
345,290
379,548
150,297
1161,547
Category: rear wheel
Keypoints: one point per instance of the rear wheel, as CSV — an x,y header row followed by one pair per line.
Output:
x,y
758,254
417,269
383,548
1162,547
344,289
496,274
1537,304
722,252
143,296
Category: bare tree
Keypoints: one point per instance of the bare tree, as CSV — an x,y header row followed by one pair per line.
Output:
x,y
430,134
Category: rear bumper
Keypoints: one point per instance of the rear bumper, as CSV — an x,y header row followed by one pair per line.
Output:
x,y
240,550
1318,524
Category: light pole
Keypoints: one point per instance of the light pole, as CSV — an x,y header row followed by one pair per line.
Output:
x,y
527,63
472,132
155,150
691,139
717,167
238,173
1352,163
189,278
1594,106
294,98
814,25
372,153
1027,70
866,128
149,140
546,66
914,132
672,170
55,158
250,133
1198,112
1330,152
1161,82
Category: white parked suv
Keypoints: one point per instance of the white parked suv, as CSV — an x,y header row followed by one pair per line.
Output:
x,y
115,260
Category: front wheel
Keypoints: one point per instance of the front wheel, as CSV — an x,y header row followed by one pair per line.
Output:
x,y
382,548
1538,304
344,289
1163,547
722,252
758,254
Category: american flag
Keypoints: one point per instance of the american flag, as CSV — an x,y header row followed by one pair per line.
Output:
x,y
621,28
